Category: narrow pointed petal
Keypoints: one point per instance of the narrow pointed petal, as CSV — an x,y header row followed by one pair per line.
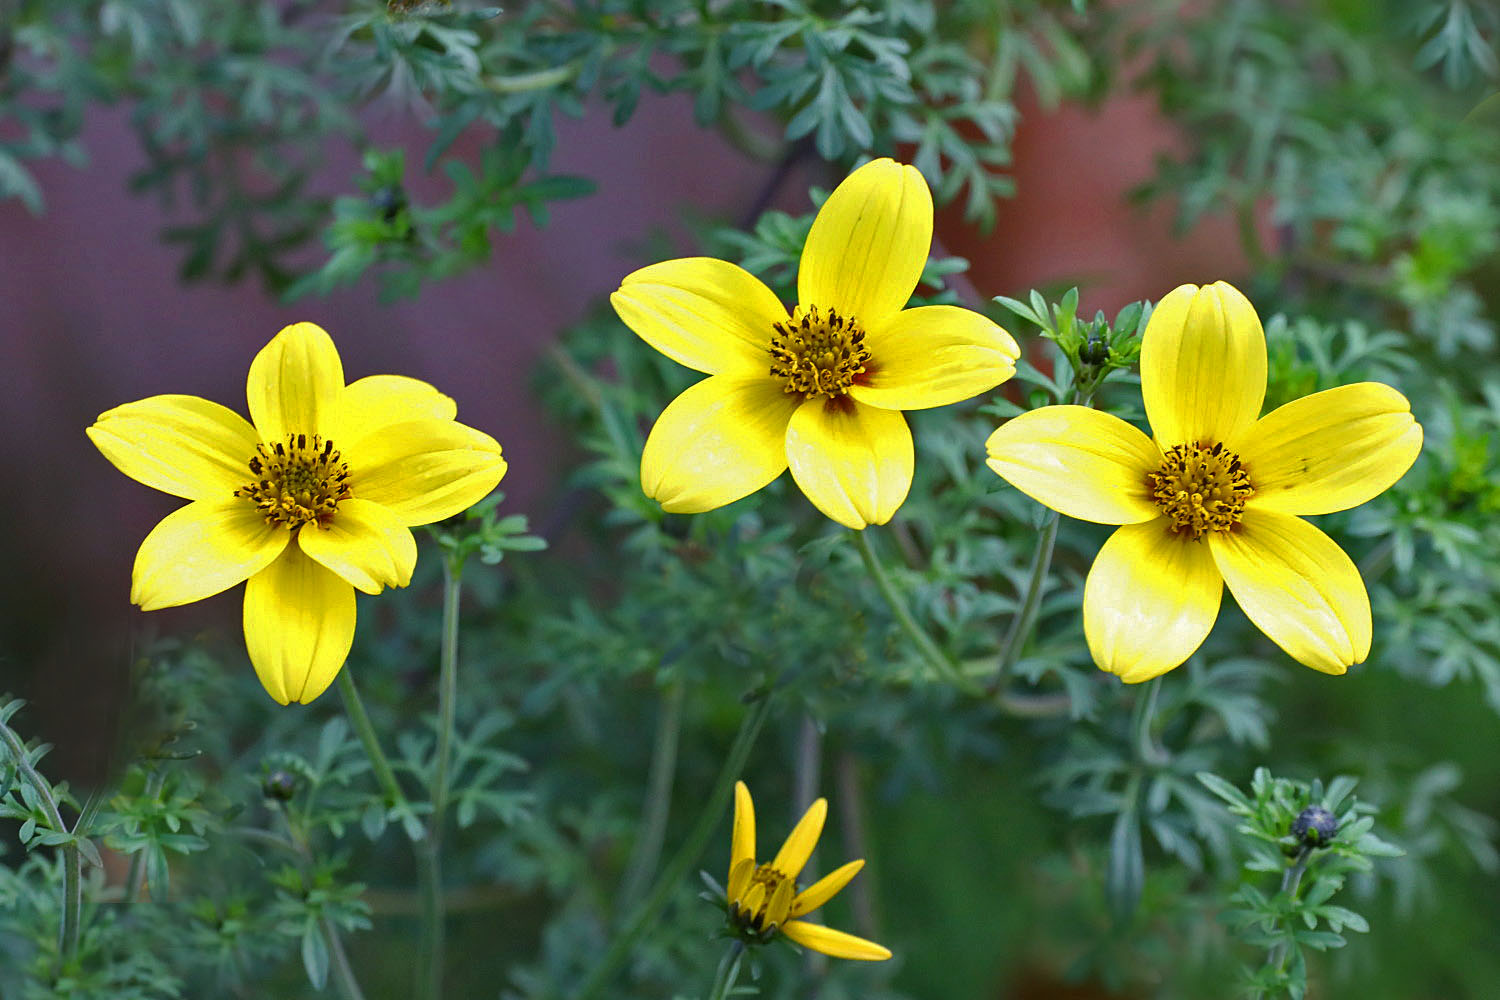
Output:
x,y
299,626
739,879
1150,600
824,889
801,841
365,544
868,244
779,903
1298,587
742,840
835,944
933,356
1080,462
201,550
1330,451
182,445
425,470
296,383
711,315
1203,365
376,402
854,462
720,440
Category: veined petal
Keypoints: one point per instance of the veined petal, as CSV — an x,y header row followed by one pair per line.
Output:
x,y
1298,587
801,841
824,889
720,440
201,550
742,840
364,543
835,944
375,402
1080,462
854,462
708,314
739,879
299,625
1330,451
933,356
296,383
182,445
868,244
425,470
1203,365
1150,600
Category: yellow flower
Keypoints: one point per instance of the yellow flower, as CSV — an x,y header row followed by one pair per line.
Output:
x,y
313,501
1215,498
820,390
764,900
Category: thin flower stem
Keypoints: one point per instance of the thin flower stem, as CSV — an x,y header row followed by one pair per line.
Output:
x,y
687,855
72,893
924,642
429,855
729,971
354,708
136,876
342,970
647,851
1147,749
541,79
1290,880
296,841
1024,620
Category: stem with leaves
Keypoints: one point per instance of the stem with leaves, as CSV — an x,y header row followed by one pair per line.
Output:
x,y
729,971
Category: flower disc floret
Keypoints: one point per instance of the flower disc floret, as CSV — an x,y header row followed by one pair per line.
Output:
x,y
1201,488
296,482
818,354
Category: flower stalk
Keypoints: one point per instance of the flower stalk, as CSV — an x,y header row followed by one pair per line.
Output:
x,y
354,708
729,971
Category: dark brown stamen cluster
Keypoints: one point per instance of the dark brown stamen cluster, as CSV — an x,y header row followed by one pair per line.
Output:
x,y
817,354
1201,488
298,481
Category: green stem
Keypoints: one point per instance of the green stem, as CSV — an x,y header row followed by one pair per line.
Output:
x,y
354,707
1290,880
687,855
298,843
541,79
924,642
1024,620
72,893
136,877
1146,747
430,859
729,971
647,852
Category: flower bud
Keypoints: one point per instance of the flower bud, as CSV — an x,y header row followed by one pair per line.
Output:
x,y
279,785
1315,826
388,201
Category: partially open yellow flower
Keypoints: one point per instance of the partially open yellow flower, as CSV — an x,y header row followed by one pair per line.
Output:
x,y
1214,498
764,899
313,501
820,390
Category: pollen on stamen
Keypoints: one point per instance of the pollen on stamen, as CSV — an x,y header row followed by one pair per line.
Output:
x,y
818,354
296,482
1202,488
764,904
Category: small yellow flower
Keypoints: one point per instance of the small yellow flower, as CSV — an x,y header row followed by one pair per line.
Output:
x,y
820,390
764,900
313,501
1215,498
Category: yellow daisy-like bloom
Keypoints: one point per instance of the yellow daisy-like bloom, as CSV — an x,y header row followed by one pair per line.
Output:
x,y
764,899
1215,498
820,389
313,501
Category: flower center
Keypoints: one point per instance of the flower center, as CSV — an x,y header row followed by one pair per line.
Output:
x,y
299,481
764,904
1201,488
818,354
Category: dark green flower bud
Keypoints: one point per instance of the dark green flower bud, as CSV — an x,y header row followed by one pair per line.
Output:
x,y
388,201
279,785
1315,826
1095,350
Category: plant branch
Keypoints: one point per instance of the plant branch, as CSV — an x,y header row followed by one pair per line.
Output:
x,y
72,893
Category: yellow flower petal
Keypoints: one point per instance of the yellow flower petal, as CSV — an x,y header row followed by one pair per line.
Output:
x,y
365,544
182,445
1203,365
835,944
742,840
299,625
1150,600
1330,451
1080,462
933,356
375,402
740,874
1298,587
201,550
824,889
854,462
295,384
425,470
722,439
710,315
869,243
801,841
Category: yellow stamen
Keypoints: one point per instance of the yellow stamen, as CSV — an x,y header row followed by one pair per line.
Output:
x,y
764,905
817,354
1201,488
299,481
